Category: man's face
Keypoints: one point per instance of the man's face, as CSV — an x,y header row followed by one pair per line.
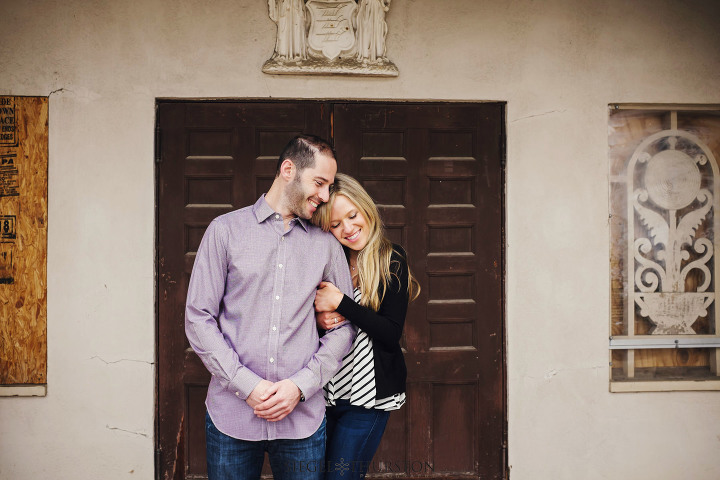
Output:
x,y
311,187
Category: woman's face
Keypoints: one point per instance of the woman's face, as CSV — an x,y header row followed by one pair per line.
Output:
x,y
348,225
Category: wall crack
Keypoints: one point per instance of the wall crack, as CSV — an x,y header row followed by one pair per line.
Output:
x,y
112,362
141,434
59,90
538,115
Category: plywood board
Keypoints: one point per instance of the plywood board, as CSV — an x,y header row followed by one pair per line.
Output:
x,y
23,240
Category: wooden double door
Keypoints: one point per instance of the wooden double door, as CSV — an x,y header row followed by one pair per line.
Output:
x,y
436,172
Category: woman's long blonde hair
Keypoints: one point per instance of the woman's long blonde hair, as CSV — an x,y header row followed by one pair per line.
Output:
x,y
373,262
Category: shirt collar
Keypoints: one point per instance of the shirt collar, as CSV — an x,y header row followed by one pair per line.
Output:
x,y
263,211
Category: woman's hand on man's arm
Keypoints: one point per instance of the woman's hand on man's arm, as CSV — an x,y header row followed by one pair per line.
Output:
x,y
328,297
328,320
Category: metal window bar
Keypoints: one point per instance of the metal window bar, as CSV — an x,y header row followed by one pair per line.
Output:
x,y
669,341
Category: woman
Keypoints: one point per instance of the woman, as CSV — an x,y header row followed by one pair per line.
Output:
x,y
371,381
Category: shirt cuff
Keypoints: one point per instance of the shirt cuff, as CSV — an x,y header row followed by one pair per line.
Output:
x,y
244,383
305,381
347,307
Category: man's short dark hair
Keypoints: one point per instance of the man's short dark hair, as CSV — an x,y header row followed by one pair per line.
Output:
x,y
302,149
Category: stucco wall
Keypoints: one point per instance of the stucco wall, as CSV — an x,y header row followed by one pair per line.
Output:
x,y
558,63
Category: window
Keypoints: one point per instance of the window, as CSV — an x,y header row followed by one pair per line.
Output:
x,y
664,194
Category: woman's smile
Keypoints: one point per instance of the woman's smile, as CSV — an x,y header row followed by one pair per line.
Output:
x,y
348,224
354,236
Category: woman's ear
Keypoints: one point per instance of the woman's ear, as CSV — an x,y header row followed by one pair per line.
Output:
x,y
287,170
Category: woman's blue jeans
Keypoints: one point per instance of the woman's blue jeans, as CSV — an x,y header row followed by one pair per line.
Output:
x,y
290,459
353,436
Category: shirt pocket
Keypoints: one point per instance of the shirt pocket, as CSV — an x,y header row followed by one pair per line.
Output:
x,y
251,269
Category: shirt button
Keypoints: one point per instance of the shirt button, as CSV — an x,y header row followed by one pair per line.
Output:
x,y
277,297
280,266
274,328
277,216
237,394
272,360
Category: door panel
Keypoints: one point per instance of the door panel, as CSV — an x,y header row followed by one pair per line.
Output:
x,y
215,157
435,172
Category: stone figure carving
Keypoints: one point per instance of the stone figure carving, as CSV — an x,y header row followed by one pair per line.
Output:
x,y
289,15
371,29
330,37
673,200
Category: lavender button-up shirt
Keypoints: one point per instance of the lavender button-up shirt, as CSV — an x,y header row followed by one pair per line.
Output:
x,y
257,282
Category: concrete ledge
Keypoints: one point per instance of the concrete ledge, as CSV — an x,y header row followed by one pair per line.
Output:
x,y
665,386
23,390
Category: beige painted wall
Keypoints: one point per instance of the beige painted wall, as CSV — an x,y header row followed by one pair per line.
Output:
x,y
558,63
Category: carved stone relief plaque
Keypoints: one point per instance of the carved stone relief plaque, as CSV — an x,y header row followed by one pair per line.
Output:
x,y
330,37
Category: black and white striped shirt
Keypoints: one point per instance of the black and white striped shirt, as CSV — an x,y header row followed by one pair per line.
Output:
x,y
356,379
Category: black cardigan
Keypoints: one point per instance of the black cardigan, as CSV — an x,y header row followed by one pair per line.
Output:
x,y
385,326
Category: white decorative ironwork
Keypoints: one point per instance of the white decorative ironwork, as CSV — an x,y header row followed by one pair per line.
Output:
x,y
672,187
330,37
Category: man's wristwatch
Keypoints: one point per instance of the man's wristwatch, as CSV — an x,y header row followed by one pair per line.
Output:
x,y
302,395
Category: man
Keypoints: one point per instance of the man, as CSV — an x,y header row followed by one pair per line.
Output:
x,y
250,318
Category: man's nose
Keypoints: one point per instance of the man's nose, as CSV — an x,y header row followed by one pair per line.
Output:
x,y
324,193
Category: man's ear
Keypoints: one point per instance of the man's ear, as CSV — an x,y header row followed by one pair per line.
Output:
x,y
287,170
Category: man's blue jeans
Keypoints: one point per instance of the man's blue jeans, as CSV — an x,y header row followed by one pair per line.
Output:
x,y
354,434
290,459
